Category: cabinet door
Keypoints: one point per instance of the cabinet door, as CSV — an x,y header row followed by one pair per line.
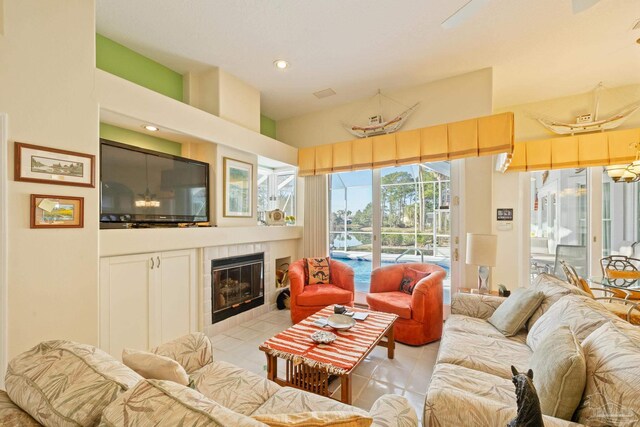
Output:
x,y
125,308
177,287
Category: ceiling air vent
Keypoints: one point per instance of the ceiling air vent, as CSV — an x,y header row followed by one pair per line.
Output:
x,y
636,25
324,93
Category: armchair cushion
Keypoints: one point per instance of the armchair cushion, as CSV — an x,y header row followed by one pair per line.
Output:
x,y
391,302
318,271
322,295
411,278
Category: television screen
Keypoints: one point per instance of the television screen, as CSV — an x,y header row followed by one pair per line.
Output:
x,y
139,185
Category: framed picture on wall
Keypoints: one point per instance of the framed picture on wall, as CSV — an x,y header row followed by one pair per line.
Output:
x,y
237,188
56,211
53,166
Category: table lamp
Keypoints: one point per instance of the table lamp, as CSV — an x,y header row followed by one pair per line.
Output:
x,y
481,251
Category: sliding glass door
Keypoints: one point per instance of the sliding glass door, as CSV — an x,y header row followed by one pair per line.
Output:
x,y
559,221
410,217
351,223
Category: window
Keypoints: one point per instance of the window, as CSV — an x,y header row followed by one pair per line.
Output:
x,y
276,190
412,218
620,219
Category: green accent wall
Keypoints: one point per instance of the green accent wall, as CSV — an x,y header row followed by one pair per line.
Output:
x,y
267,126
117,59
138,139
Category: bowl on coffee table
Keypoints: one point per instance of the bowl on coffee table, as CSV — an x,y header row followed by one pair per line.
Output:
x,y
340,322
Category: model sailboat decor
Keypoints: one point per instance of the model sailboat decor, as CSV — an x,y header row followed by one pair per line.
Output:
x,y
377,125
590,122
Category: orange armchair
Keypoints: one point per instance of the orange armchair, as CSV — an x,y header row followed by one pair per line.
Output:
x,y
420,313
308,299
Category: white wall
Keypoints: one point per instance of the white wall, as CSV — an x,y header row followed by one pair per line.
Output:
x,y
47,69
456,98
223,94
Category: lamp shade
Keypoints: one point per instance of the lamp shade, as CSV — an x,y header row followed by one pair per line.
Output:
x,y
481,249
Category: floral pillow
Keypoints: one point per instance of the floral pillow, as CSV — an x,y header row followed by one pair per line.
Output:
x,y
318,272
410,279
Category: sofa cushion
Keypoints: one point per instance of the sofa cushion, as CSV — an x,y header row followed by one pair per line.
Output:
x,y
289,400
391,302
165,403
154,366
559,373
611,394
583,315
458,396
66,383
12,416
473,325
493,355
553,289
316,295
233,387
192,351
318,271
315,419
511,316
475,305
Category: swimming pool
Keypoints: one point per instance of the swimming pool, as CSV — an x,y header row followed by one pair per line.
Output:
x,y
362,270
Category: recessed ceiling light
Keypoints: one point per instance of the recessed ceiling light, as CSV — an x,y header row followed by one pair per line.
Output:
x,y
281,64
151,128
638,41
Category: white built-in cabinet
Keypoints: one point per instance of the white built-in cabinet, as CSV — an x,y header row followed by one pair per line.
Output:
x,y
147,299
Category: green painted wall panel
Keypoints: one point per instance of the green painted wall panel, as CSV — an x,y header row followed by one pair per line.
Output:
x,y
117,59
138,139
267,126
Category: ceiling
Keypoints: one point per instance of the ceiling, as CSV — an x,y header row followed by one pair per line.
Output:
x,y
538,48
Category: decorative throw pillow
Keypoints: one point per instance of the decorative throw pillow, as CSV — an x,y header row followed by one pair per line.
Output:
x,y
318,272
514,312
553,289
192,351
410,279
155,367
611,397
560,373
315,419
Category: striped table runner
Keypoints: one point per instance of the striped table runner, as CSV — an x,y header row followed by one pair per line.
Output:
x,y
340,356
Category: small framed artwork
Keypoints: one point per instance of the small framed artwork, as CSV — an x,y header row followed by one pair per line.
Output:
x,y
238,188
52,166
56,211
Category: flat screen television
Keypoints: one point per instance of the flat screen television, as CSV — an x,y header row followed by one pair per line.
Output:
x,y
143,186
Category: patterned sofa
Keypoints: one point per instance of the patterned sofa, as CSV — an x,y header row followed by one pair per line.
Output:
x,y
62,383
471,383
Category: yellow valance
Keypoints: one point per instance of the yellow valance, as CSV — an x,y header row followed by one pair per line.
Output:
x,y
594,149
469,138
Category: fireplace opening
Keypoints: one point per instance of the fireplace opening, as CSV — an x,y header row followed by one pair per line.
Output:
x,y
237,285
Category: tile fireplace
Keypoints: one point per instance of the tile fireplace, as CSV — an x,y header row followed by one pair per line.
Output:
x,y
237,285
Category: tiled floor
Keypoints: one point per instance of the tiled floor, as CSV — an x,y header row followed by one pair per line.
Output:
x,y
408,374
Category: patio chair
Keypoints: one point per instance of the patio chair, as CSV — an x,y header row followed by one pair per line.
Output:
x,y
574,255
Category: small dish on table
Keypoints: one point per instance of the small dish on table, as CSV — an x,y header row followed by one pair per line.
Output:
x,y
323,337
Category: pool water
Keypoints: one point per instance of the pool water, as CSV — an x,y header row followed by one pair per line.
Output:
x,y
362,270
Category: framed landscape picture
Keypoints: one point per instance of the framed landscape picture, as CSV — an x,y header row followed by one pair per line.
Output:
x,y
237,186
56,211
52,166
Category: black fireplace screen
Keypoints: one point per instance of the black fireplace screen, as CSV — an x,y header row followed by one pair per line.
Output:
x,y
237,285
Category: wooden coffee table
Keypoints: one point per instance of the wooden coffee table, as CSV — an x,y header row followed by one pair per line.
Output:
x,y
309,365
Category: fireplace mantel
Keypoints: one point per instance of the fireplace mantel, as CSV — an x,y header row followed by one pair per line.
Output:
x,y
124,242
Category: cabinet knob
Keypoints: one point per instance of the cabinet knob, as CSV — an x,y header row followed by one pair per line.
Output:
x,y
152,263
